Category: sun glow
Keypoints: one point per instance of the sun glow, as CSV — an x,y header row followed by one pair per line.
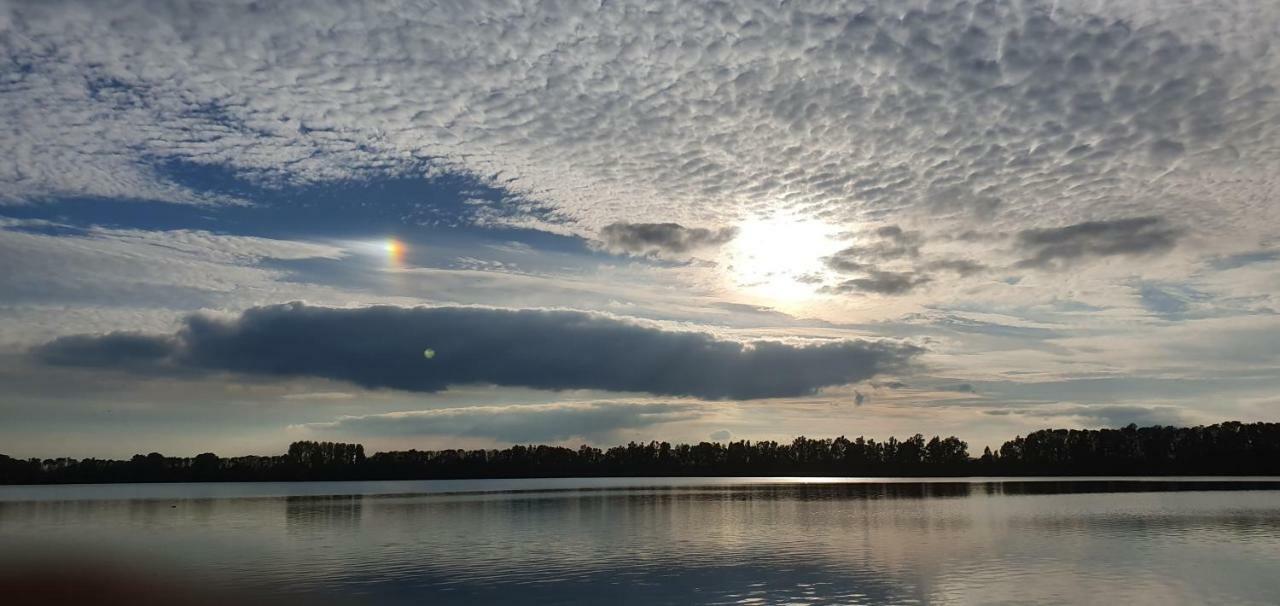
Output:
x,y
780,258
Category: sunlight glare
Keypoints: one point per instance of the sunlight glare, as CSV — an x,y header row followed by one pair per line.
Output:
x,y
777,258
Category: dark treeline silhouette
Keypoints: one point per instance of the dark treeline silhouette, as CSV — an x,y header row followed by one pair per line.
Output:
x,y
1224,449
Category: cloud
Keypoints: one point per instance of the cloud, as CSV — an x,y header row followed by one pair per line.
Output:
x,y
961,267
888,384
1237,261
892,243
859,398
184,269
381,347
880,282
848,110
723,435
1118,416
966,324
1108,416
320,395
891,247
889,243
115,350
517,423
1056,248
661,239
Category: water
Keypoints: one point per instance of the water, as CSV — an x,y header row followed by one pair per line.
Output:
x,y
673,541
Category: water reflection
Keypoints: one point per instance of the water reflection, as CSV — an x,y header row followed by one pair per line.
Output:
x,y
334,513
866,542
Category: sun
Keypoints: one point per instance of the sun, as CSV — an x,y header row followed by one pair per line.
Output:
x,y
779,258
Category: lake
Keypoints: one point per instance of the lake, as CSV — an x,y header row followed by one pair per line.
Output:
x,y
671,540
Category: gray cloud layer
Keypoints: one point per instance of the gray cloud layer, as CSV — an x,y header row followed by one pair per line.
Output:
x,y
382,347
662,239
527,423
1058,247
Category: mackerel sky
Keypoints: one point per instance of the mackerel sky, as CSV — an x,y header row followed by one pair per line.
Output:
x,y
228,225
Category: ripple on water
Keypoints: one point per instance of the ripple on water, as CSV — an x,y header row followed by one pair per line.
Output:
x,y
722,544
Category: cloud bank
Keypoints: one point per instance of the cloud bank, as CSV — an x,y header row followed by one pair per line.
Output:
x,y
522,423
382,347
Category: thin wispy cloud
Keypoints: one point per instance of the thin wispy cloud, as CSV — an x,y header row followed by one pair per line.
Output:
x,y
530,422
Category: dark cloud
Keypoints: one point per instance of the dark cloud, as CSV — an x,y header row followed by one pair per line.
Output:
x,y
846,261
859,398
1058,247
382,347
661,239
723,435
527,423
890,243
963,267
880,282
117,349
893,246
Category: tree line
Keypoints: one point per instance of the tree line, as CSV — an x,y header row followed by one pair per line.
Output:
x,y
1231,448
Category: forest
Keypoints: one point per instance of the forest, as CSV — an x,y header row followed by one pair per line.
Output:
x,y
1231,448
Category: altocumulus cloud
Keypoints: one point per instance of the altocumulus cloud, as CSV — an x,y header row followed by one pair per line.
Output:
x,y
382,347
703,110
536,422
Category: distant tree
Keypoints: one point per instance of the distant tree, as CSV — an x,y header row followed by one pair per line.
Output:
x,y
1226,448
205,467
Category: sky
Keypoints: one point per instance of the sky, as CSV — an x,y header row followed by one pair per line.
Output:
x,y
226,226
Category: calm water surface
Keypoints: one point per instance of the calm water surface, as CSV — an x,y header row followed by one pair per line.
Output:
x,y
677,541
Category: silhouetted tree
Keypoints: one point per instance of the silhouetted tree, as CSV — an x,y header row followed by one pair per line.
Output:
x,y
1227,449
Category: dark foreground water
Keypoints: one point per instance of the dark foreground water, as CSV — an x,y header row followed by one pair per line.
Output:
x,y
673,541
